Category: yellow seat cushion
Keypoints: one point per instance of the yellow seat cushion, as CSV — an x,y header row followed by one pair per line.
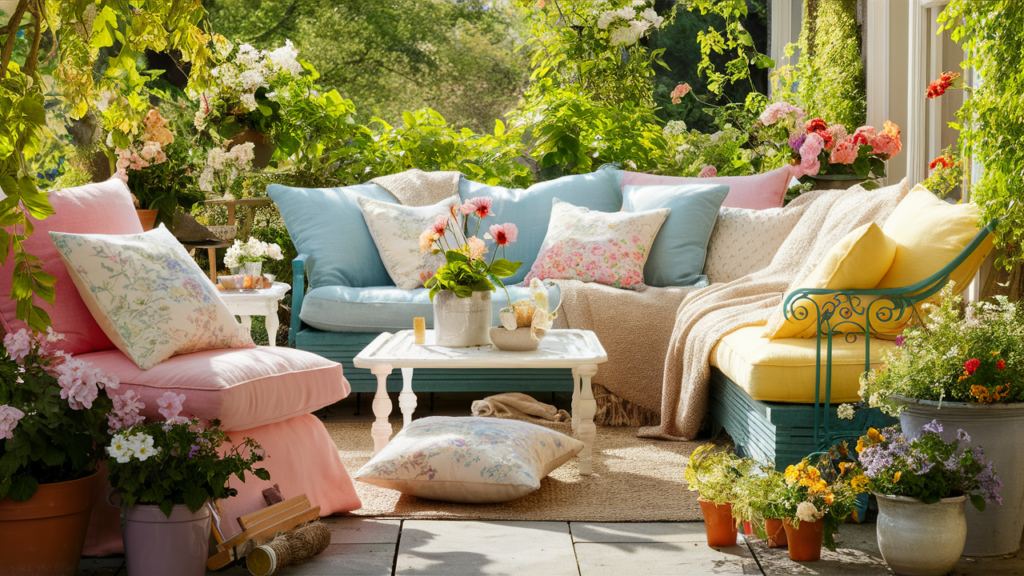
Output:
x,y
858,261
783,370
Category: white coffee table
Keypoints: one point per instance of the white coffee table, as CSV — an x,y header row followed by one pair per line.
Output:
x,y
578,350
248,303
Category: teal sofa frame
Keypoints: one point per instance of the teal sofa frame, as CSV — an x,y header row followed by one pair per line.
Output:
x,y
342,347
784,433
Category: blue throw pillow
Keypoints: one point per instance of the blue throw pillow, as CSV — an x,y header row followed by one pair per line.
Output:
x,y
327,224
678,252
530,209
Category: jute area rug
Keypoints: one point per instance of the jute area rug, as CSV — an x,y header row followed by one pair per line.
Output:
x,y
634,480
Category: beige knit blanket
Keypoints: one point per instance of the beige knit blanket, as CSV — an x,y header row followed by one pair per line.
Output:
x,y
519,405
709,314
418,188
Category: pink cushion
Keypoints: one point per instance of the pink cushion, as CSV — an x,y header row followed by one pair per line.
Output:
x,y
243,387
758,192
102,208
301,459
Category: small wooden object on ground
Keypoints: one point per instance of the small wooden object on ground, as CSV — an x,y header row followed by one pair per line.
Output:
x,y
261,527
289,548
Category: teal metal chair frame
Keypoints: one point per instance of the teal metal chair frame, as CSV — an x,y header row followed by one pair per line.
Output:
x,y
836,316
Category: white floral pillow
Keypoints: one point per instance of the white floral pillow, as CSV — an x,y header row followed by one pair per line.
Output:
x,y
396,231
474,460
604,247
745,241
148,295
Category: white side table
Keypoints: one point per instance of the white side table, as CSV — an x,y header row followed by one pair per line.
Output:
x,y
249,303
579,350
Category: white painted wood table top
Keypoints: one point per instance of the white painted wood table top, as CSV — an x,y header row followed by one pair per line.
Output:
x,y
578,350
248,303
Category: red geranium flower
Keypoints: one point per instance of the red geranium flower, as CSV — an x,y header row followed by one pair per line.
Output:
x,y
938,87
1001,364
971,366
944,161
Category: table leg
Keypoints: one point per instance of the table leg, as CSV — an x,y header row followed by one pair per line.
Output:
x,y
212,254
575,401
407,399
247,322
587,407
272,324
381,430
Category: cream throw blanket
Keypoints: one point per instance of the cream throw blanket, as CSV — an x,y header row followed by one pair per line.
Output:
x,y
707,315
418,188
518,404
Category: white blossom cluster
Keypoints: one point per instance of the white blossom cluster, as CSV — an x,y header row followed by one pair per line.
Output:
x,y
222,166
627,25
139,446
254,250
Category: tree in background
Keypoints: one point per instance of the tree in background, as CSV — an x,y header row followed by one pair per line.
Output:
x,y
388,57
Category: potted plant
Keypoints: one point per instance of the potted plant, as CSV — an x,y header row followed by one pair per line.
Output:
x,y
966,370
165,474
921,485
717,474
461,288
817,498
248,257
54,413
759,504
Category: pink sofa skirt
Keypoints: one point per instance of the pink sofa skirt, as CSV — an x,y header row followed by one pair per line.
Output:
x,y
301,458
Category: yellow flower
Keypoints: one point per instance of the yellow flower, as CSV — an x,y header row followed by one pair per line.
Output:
x,y
860,483
860,445
875,436
896,477
829,497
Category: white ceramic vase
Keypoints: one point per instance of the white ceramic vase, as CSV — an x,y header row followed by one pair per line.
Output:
x,y
462,322
918,539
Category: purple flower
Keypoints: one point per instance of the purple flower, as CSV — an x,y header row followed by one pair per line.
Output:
x,y
962,435
795,144
900,340
195,450
990,484
933,427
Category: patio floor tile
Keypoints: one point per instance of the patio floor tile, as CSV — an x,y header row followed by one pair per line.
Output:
x,y
857,553
471,548
620,532
659,558
337,560
356,530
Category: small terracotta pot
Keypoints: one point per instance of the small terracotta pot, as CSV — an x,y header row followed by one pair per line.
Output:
x,y
45,534
147,218
804,542
718,523
747,528
776,533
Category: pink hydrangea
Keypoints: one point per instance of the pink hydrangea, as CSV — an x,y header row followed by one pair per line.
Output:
x,y
126,411
885,145
811,147
708,171
9,417
19,344
170,405
844,152
838,132
781,110
679,92
503,234
867,131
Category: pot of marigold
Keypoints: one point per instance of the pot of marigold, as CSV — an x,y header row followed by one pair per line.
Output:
x,y
967,372
167,523
54,412
715,473
921,485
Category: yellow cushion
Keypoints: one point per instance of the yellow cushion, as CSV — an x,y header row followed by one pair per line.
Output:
x,y
783,370
858,261
929,234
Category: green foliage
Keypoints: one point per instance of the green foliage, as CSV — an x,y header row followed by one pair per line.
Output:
x,y
934,361
759,496
185,462
991,121
52,442
717,474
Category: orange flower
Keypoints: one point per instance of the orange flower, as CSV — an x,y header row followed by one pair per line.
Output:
x,y
896,476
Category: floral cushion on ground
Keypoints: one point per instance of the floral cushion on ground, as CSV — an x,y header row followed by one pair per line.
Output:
x,y
148,295
473,460
604,247
396,231
745,241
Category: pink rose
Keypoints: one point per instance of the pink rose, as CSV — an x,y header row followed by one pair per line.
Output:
x,y
708,171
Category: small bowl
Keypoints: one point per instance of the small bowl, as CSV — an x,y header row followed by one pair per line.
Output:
x,y
518,340
228,282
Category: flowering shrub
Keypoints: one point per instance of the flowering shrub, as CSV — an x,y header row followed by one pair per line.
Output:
x,y
975,356
466,270
179,461
824,491
717,474
927,468
254,250
223,166
947,172
54,420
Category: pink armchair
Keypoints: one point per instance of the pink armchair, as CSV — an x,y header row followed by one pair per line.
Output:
x,y
264,393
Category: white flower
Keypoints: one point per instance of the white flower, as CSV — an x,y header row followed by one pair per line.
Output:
x,y
242,155
651,16
251,79
284,58
606,18
248,102
142,446
216,159
206,180
624,35
626,13
846,411
674,127
275,252
638,3
199,120
247,57
119,449
806,512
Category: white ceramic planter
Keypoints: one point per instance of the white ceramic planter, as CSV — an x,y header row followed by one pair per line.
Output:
x,y
918,539
156,545
999,430
462,322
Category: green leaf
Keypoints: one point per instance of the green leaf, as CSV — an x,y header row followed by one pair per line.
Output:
x,y
452,256
195,497
23,488
103,28
978,502
503,268
166,506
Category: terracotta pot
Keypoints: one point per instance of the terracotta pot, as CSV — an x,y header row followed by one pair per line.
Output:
x,y
147,218
45,534
718,523
263,147
804,542
747,528
155,545
776,533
